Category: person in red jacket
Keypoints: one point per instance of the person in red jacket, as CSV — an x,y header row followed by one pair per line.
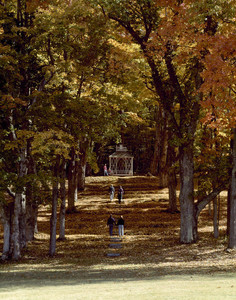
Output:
x,y
105,170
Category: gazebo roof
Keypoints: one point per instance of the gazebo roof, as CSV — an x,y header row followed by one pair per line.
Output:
x,y
121,152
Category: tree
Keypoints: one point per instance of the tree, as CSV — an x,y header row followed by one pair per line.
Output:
x,y
176,63
232,229
19,74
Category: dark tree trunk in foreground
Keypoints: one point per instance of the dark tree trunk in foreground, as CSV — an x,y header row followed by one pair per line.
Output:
x,y
63,201
17,236
216,217
31,220
159,163
172,180
82,171
72,181
188,226
172,184
232,226
228,209
53,219
6,212
83,153
31,203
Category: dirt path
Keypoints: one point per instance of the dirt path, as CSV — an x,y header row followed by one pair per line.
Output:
x,y
152,263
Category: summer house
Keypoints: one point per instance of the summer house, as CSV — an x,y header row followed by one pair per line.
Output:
x,y
121,162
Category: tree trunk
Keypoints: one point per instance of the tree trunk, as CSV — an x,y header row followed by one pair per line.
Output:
x,y
31,220
16,241
5,214
228,209
15,237
82,171
157,143
155,159
158,164
63,201
188,225
215,218
172,180
83,150
172,184
53,219
31,203
6,242
72,182
232,227
22,223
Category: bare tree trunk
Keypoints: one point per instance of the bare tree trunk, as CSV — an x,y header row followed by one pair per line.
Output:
x,y
6,242
63,201
16,239
155,159
82,166
163,169
172,180
81,175
232,228
5,215
31,220
53,219
22,223
158,164
188,225
31,203
72,182
228,209
215,218
172,184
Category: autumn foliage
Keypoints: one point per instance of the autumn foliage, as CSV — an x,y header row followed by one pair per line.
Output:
x,y
77,77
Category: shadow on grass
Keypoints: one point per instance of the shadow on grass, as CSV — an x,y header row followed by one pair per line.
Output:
x,y
68,275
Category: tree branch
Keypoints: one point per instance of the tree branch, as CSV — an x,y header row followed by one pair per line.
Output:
x,y
11,193
202,203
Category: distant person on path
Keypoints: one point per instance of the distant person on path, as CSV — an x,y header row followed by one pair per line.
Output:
x,y
111,222
120,194
112,192
105,170
121,224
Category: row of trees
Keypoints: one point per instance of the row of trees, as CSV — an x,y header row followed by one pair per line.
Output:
x,y
78,75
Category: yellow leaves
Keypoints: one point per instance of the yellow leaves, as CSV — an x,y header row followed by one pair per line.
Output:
x,y
133,118
52,142
130,48
21,140
47,143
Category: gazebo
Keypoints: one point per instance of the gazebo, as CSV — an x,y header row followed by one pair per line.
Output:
x,y
121,162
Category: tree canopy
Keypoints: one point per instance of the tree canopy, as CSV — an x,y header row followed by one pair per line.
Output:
x,y
78,76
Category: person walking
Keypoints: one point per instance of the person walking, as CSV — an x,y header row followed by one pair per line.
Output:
x,y
111,192
120,194
110,223
121,224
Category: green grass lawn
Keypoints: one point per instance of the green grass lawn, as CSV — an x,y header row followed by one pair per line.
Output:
x,y
112,283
